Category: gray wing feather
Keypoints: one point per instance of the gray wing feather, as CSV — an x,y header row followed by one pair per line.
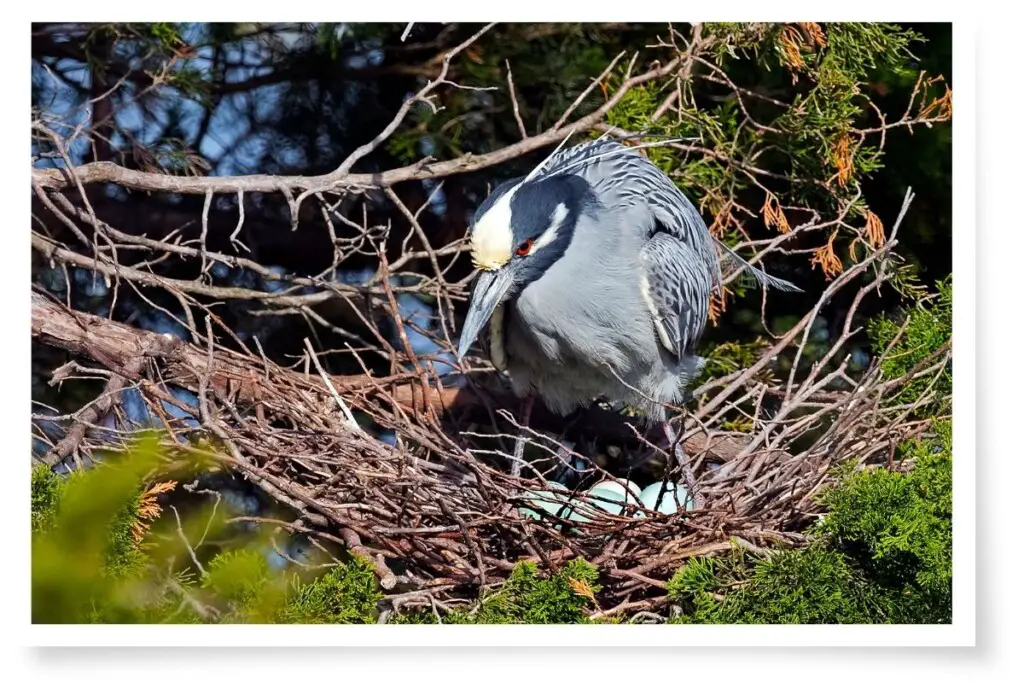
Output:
x,y
763,279
620,174
679,288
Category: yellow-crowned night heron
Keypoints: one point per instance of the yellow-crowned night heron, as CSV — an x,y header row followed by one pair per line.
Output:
x,y
596,274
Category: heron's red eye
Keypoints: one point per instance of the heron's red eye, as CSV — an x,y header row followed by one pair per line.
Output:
x,y
525,248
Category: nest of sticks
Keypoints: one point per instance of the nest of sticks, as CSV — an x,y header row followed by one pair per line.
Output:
x,y
437,511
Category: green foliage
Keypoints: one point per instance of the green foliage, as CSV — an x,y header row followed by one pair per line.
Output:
x,y
124,556
726,357
815,585
45,494
95,559
348,594
82,546
528,598
803,139
899,528
881,554
812,127
805,132
929,326
167,34
240,582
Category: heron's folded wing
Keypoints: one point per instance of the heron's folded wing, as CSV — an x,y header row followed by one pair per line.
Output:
x,y
620,175
676,285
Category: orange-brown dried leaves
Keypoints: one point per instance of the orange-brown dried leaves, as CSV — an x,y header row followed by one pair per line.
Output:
x,y
774,216
149,509
723,219
581,588
842,158
940,108
874,230
815,36
792,41
718,303
828,260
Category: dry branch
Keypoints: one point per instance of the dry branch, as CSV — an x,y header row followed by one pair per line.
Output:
x,y
106,172
246,380
449,513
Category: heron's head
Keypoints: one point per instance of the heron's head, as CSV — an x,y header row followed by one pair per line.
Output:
x,y
516,235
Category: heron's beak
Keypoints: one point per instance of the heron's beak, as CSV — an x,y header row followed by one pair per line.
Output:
x,y
489,291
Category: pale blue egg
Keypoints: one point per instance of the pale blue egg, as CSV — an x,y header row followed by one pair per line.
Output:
x,y
670,500
610,496
552,502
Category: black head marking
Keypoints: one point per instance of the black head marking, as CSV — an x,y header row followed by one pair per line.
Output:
x,y
534,205
533,210
494,196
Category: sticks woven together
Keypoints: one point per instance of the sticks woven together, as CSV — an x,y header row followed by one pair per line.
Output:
x,y
440,498
448,510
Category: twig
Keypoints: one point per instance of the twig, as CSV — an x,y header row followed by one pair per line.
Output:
x,y
349,418
184,539
515,103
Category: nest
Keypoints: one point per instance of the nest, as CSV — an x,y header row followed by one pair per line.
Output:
x,y
438,513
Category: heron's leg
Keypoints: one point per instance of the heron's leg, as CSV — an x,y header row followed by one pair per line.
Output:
x,y
524,421
680,453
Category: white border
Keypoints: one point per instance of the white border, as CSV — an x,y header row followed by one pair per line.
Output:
x,y
545,636
964,332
